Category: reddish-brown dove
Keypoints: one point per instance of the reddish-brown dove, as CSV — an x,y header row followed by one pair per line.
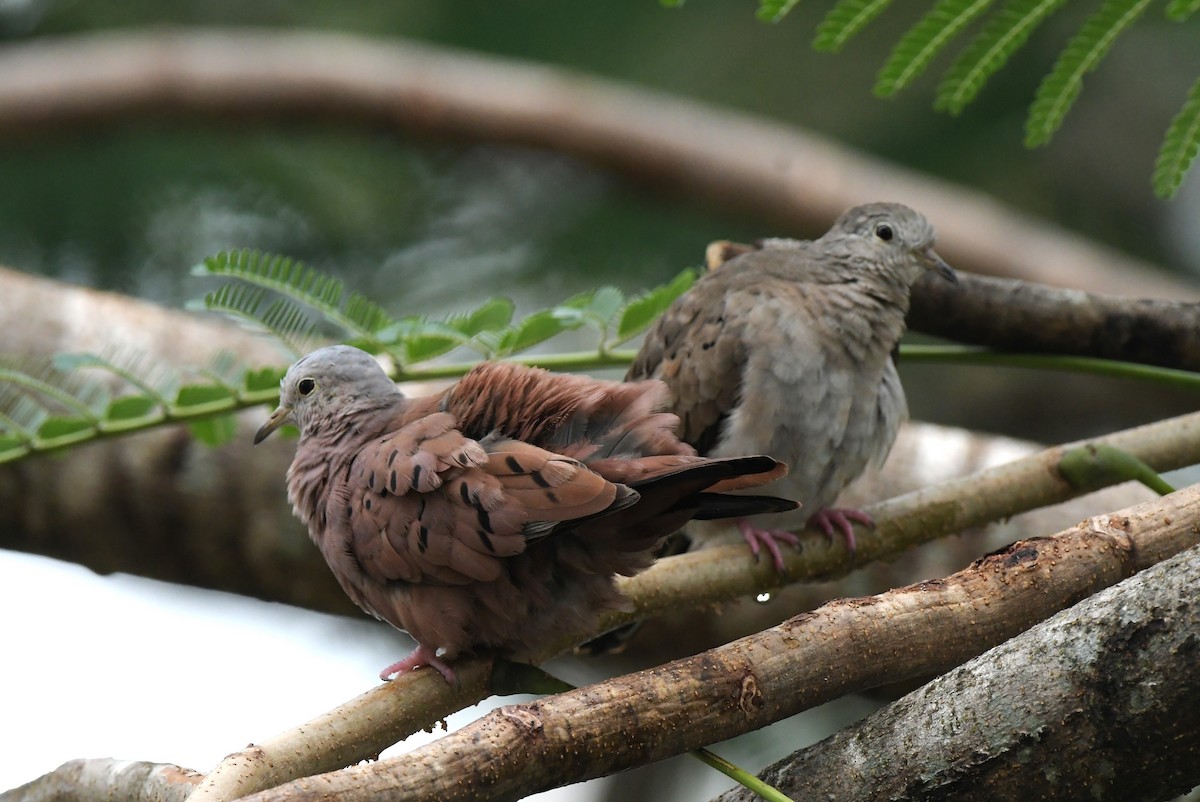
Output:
x,y
786,349
494,515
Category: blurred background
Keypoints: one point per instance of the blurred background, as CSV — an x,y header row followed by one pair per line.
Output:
x,y
425,226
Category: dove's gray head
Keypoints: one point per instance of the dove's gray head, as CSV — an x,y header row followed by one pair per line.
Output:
x,y
326,385
889,235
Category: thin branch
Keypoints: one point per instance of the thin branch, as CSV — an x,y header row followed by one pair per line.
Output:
x,y
848,645
1111,682
794,181
364,727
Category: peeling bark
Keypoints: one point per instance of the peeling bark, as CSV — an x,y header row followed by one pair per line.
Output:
x,y
1100,702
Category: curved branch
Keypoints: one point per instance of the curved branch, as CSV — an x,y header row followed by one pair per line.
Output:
x,y
793,180
1111,682
845,646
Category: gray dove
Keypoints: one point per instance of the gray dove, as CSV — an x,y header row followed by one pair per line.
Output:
x,y
493,515
786,349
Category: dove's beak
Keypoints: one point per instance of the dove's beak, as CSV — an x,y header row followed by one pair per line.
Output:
x,y
279,417
934,262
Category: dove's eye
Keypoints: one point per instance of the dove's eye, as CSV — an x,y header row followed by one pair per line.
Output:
x,y
884,232
306,386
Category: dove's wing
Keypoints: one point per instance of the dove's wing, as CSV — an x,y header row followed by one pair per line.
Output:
x,y
428,504
698,348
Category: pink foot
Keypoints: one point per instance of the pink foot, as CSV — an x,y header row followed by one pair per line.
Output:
x,y
422,656
767,539
830,518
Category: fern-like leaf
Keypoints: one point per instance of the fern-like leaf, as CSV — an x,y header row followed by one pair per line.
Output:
x,y
1083,53
775,10
924,40
357,316
1180,146
1003,34
1180,10
844,20
157,381
642,311
282,318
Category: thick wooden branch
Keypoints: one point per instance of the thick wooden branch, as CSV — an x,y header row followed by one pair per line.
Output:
x,y
1022,316
106,779
1099,702
845,646
794,181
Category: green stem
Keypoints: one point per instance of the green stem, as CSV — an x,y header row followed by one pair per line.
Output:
x,y
576,361
974,355
741,776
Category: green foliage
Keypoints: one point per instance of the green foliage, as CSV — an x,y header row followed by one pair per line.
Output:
x,y
323,294
1059,89
1179,148
774,10
846,18
301,296
55,405
924,40
1180,10
1003,33
61,403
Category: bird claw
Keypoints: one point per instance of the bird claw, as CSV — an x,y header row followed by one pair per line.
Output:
x,y
831,518
768,539
421,656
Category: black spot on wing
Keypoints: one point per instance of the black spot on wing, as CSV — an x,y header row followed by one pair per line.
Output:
x,y
485,540
485,520
513,464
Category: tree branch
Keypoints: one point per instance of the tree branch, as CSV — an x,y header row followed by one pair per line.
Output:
x,y
845,646
1019,316
1098,702
363,727
792,180
106,779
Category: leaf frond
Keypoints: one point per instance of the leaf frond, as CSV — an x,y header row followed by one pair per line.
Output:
x,y
1179,147
1002,35
357,316
1083,53
844,20
281,317
924,40
642,310
1180,10
775,10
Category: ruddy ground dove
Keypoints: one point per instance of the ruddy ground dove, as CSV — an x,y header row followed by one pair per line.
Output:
x,y
786,349
494,515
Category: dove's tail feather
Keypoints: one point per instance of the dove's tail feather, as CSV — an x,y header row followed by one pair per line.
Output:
x,y
710,506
